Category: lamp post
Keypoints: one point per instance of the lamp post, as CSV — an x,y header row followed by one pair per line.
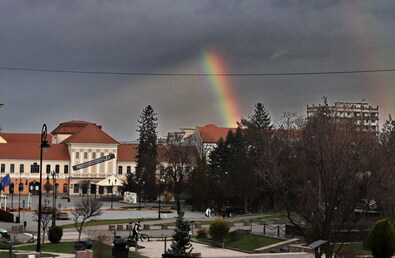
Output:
x,y
18,219
53,174
43,148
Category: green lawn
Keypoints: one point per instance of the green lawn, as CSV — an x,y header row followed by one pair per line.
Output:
x,y
99,250
109,221
357,247
248,242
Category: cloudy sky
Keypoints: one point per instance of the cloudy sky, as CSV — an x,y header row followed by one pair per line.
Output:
x,y
160,39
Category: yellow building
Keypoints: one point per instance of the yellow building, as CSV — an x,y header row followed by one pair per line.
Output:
x,y
73,144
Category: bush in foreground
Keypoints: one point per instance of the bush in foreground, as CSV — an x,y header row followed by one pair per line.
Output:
x,y
381,239
218,229
55,234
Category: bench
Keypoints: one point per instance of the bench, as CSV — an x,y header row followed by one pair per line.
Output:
x,y
166,210
62,216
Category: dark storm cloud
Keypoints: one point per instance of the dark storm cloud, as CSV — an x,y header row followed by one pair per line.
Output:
x,y
169,36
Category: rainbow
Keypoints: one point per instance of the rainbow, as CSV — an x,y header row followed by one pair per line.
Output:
x,y
374,55
214,69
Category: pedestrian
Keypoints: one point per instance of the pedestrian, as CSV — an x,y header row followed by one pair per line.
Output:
x,y
208,212
223,211
136,230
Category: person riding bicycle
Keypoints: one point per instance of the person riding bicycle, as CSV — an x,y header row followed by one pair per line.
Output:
x,y
136,230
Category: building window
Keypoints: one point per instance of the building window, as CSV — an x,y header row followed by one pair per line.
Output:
x,y
2,168
48,170
93,155
21,168
12,168
102,154
85,155
66,169
34,168
120,170
76,188
77,155
20,187
57,169
128,170
65,188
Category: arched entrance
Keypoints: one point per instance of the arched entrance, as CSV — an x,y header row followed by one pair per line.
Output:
x,y
34,187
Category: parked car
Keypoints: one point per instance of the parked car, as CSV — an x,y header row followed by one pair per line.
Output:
x,y
365,204
3,233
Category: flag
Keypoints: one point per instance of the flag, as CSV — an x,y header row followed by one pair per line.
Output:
x,y
5,181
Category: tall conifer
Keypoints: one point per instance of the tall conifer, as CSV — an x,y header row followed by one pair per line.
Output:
x,y
147,154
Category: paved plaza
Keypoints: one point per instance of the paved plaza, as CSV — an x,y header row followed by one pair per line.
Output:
x,y
153,248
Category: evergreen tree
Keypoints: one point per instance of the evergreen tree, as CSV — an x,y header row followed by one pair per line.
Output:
x,y
181,246
257,129
147,154
241,179
218,171
199,185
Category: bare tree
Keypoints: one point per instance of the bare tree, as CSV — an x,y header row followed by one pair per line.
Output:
x,y
46,216
323,172
85,209
181,159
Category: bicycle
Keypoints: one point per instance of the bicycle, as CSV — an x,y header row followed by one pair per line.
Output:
x,y
140,236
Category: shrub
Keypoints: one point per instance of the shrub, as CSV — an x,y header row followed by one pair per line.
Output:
x,y
55,234
4,245
202,233
381,239
218,229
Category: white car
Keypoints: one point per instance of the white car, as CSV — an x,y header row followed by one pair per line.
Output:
x,y
3,233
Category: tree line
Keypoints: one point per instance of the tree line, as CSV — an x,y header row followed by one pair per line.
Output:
x,y
324,171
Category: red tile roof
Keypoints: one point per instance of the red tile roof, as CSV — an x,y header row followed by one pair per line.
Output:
x,y
32,151
129,152
211,133
90,133
70,127
23,137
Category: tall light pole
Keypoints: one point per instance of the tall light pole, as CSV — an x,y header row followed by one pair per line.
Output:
x,y
53,174
18,219
43,148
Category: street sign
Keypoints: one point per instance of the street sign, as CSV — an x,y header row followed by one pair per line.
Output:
x,y
94,162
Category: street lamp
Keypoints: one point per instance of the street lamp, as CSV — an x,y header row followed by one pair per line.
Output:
x,y
112,191
161,180
53,174
43,148
20,185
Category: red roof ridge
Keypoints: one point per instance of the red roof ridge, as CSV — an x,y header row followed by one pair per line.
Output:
x,y
91,133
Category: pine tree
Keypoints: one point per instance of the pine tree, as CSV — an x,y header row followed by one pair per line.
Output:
x,y
199,184
147,154
181,246
217,173
257,129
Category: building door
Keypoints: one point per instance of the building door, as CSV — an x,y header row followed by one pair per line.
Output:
x,y
93,189
34,187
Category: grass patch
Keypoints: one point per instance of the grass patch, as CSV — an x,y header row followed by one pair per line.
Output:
x,y
6,255
109,222
248,242
99,250
356,248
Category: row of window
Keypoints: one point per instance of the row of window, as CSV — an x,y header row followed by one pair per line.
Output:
x,y
34,168
128,170
77,155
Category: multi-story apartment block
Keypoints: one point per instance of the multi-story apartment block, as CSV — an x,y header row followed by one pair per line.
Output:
x,y
364,115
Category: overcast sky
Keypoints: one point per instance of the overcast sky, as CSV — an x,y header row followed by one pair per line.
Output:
x,y
169,36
